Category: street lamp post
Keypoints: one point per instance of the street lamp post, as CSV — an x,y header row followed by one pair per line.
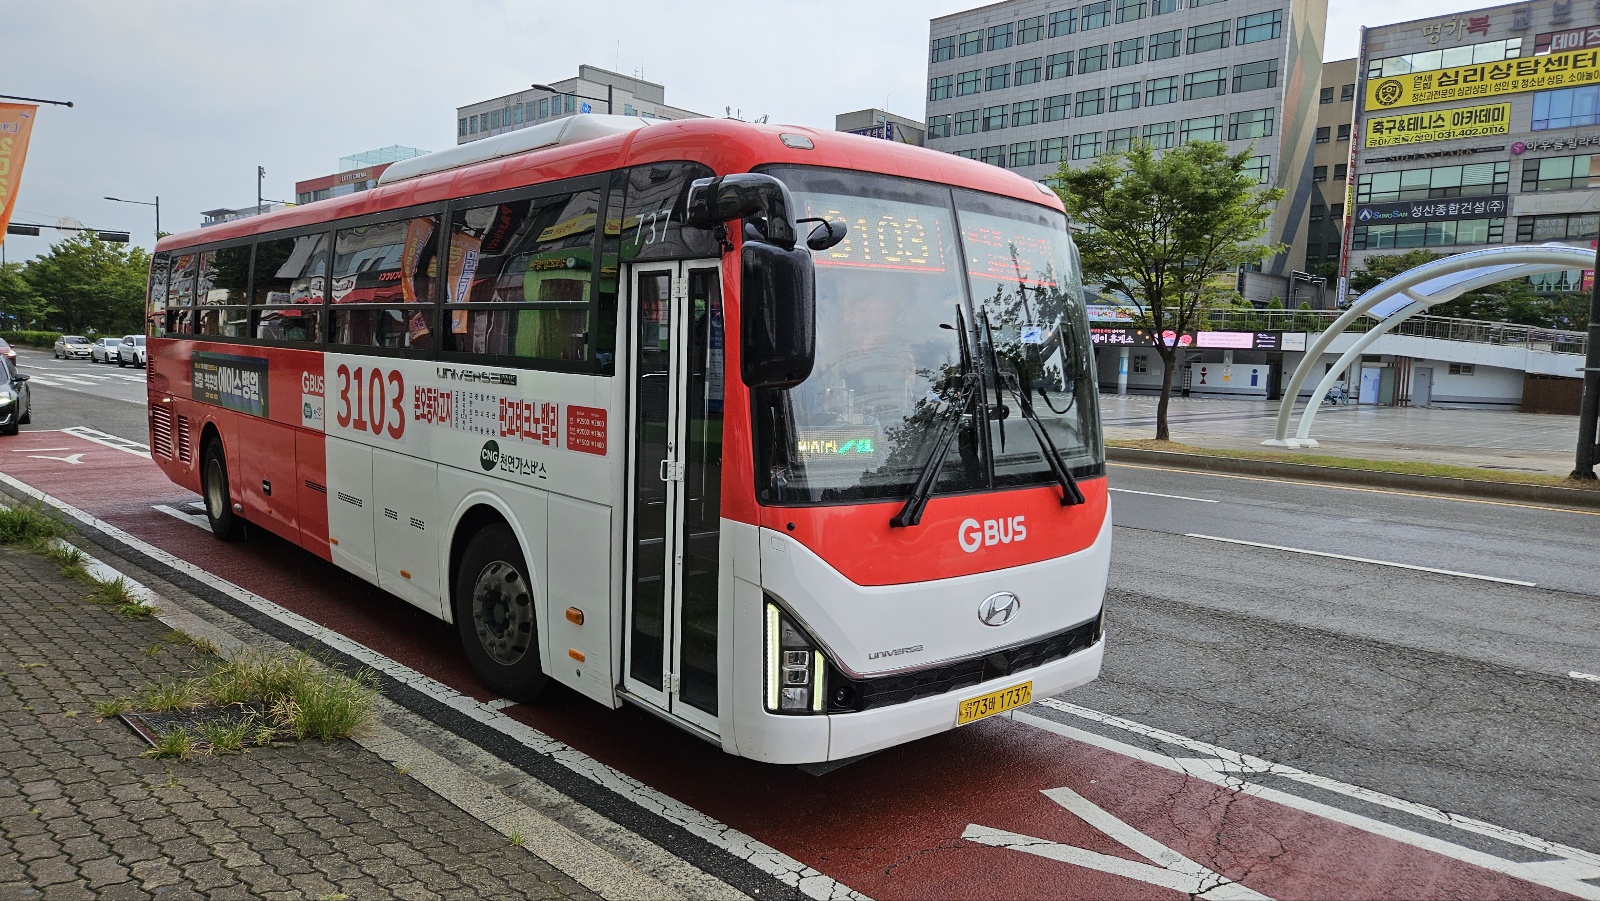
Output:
x,y
156,204
609,94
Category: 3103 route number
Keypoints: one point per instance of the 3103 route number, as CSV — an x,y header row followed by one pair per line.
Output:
x,y
378,402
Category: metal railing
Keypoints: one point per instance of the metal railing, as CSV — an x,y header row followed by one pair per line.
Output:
x,y
1444,328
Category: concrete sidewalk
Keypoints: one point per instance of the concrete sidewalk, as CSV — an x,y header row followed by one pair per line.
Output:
x,y
1481,439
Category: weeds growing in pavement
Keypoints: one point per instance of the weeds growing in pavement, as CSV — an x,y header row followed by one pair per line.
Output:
x,y
118,594
114,707
169,696
203,645
516,838
225,737
68,559
176,743
29,524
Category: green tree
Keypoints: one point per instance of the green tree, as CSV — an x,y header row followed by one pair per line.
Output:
x,y
91,283
20,305
1162,228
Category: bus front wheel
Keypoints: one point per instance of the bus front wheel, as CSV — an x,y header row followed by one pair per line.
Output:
x,y
494,611
219,504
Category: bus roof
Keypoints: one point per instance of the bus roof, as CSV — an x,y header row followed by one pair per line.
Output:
x,y
725,145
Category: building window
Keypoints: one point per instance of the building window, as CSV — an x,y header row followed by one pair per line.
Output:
x,y
1203,128
1560,173
1096,15
1449,233
1259,168
1090,103
1471,180
1249,125
1030,70
1205,83
969,82
1125,97
1339,171
1461,368
1058,65
1161,90
1211,36
1063,23
939,126
1347,93
1318,213
544,107
1260,27
1255,76
1119,140
461,127
1165,45
494,119
1025,112
1030,30
971,43
940,88
1130,10
1022,154
1319,173
1325,96
1092,59
1128,53
1055,108
1344,132
994,117
967,122
1336,211
472,125
1324,134
997,77
1566,108
1428,60
1162,7
1314,253
1161,135
1560,227
941,50
1194,3
966,154
1086,147
994,156
1000,37
1052,150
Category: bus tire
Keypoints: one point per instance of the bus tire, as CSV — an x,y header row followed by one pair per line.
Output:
x,y
494,612
225,524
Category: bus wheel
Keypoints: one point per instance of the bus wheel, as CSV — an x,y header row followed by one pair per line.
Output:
x,y
495,615
219,505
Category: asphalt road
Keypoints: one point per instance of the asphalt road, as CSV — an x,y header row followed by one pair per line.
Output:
x,y
1440,688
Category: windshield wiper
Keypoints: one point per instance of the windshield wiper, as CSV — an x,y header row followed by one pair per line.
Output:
x,y
1070,495
971,390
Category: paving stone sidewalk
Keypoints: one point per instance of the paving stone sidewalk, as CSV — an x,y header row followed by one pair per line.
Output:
x,y
83,815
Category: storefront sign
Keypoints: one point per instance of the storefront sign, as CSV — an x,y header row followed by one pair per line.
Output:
x,y
1561,41
1439,125
1432,210
1456,27
1512,76
1434,154
1520,147
1138,337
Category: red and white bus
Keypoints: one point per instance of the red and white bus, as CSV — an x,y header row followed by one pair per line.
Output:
x,y
788,436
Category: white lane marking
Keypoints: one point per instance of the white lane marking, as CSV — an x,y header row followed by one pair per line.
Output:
x,y
116,442
760,855
1587,677
499,703
73,459
1172,870
30,450
190,518
1176,497
1301,550
1232,770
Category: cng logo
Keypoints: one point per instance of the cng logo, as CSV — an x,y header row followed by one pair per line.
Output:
x,y
974,535
489,457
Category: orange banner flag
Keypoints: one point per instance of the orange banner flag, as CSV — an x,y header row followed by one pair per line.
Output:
x,y
16,124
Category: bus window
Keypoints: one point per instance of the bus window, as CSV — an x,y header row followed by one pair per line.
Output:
x,y
394,264
288,287
223,277
156,299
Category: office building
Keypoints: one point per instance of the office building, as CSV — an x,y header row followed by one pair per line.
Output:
x,y
1480,128
357,172
1034,84
1330,159
877,123
594,90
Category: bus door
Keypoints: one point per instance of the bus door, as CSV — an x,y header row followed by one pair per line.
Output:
x,y
675,393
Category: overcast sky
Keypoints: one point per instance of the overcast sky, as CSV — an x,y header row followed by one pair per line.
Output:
x,y
185,99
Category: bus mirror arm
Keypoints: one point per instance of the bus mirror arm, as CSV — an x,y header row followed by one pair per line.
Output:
x,y
743,195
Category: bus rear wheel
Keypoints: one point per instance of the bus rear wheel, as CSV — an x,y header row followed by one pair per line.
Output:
x,y
225,524
494,612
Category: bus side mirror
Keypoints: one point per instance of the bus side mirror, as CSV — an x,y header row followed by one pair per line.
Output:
x,y
743,195
777,316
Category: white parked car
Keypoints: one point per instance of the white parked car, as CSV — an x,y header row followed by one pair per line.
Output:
x,y
104,350
131,351
69,346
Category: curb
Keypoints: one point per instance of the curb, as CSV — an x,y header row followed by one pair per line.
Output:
x,y
1306,472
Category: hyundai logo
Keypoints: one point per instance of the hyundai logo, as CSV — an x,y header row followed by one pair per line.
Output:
x,y
997,609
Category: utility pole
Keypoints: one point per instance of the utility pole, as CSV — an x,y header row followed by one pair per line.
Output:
x,y
1589,411
261,173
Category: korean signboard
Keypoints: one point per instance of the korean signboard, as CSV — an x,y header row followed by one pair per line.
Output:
x,y
1138,337
1439,125
1432,210
1512,76
1561,41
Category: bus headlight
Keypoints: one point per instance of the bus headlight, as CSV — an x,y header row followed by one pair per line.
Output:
x,y
795,667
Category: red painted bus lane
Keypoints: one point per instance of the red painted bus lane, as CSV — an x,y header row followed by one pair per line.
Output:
x,y
998,809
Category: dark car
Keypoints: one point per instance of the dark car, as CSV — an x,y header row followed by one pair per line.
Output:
x,y
16,408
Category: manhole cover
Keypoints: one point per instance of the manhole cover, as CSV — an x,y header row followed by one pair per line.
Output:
x,y
150,725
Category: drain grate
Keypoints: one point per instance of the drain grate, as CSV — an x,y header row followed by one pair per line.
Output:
x,y
149,725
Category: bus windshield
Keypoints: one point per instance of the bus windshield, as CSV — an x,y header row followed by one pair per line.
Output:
x,y
922,266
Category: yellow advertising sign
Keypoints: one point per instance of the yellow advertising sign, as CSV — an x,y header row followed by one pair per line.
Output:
x,y
1439,125
16,124
1513,76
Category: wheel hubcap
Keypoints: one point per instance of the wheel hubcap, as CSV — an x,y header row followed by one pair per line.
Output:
x,y
502,611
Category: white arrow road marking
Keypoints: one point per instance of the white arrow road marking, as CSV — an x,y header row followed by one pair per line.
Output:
x,y
112,441
1171,870
74,459
189,518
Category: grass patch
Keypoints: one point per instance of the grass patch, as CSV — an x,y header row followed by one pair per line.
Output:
x,y
169,696
113,707
118,594
1405,467
516,838
68,559
30,524
203,645
177,744
228,738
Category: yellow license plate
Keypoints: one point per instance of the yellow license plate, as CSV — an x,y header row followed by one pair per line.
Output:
x,y
974,709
